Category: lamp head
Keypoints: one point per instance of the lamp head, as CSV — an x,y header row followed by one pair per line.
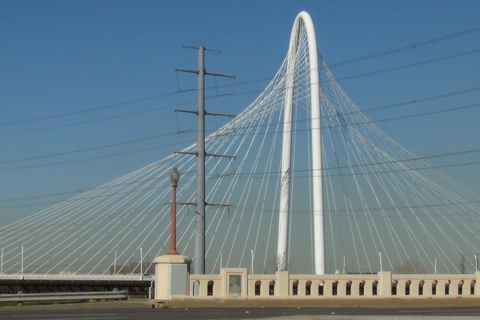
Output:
x,y
174,176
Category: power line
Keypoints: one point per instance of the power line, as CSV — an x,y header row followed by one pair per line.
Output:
x,y
409,65
409,169
92,148
261,175
408,47
216,96
139,100
81,112
98,119
338,212
108,186
418,100
71,199
405,117
344,114
427,113
347,124
331,66
250,175
92,158
158,108
189,141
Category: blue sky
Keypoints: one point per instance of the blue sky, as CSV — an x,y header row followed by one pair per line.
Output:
x,y
108,67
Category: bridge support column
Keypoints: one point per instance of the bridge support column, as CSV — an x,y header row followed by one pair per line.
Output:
x,y
384,287
283,284
171,276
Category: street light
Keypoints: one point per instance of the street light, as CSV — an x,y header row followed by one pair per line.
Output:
x,y
251,267
380,258
174,177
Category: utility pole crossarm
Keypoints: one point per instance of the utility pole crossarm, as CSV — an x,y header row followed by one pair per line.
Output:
x,y
186,111
220,75
182,203
219,155
219,205
189,71
186,152
207,73
217,114
203,48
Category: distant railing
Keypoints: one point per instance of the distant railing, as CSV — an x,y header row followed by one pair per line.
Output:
x,y
236,283
69,277
64,296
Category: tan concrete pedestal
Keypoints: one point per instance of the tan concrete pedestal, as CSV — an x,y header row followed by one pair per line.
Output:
x,y
171,276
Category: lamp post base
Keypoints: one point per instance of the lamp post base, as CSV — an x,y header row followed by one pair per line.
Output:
x,y
171,276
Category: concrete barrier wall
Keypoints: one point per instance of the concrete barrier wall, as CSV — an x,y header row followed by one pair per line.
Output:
x,y
236,283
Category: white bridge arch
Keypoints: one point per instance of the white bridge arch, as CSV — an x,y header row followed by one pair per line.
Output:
x,y
303,18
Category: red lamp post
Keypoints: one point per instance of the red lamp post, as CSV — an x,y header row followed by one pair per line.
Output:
x,y
174,177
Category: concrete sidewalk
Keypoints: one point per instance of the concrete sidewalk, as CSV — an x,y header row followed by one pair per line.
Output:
x,y
291,303
327,303
334,317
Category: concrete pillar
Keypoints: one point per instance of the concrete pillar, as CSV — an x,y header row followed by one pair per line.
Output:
x,y
401,284
301,288
327,288
282,284
441,288
264,289
453,288
171,276
314,288
342,288
355,289
415,288
368,288
384,287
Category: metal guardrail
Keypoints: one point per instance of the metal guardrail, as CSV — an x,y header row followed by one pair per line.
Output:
x,y
63,296
69,277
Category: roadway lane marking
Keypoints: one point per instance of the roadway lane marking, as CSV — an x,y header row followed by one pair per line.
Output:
x,y
62,315
77,318
438,311
443,312
455,313
94,316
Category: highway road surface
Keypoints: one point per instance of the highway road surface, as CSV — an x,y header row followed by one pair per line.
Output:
x,y
463,313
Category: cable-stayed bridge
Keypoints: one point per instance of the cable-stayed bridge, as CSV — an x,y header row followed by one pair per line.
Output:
x,y
382,207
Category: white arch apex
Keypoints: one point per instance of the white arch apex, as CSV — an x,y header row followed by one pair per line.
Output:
x,y
284,206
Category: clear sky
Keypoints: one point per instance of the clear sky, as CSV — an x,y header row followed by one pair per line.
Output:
x,y
80,79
